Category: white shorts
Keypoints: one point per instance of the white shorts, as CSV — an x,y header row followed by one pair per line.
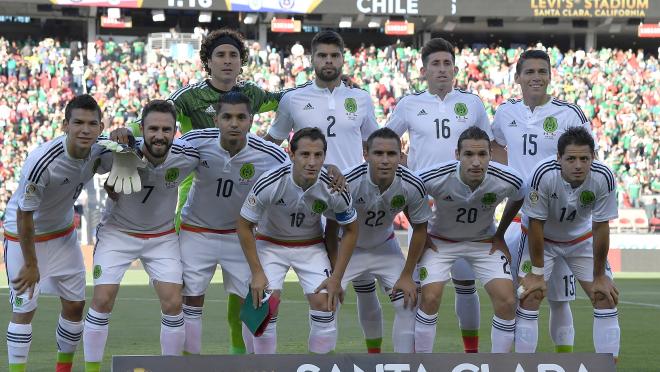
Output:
x,y
201,252
115,251
385,263
311,264
61,271
578,256
435,266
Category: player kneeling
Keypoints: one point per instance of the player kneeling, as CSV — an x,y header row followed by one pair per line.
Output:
x,y
140,225
286,205
466,193
571,200
381,189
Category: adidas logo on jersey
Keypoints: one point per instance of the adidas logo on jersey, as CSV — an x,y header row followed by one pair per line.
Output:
x,y
448,198
554,196
513,124
281,203
210,110
422,112
66,180
308,106
360,200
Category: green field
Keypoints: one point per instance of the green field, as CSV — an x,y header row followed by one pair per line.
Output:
x,y
135,324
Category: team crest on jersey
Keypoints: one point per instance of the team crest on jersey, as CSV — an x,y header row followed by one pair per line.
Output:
x,y
461,111
246,172
423,273
397,202
319,206
533,197
97,271
488,200
587,198
550,126
171,176
350,105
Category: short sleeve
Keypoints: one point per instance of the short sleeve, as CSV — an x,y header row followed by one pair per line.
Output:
x,y
283,122
536,203
482,119
34,183
397,120
496,128
419,209
254,206
342,208
369,124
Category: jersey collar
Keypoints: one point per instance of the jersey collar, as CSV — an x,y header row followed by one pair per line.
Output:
x,y
319,89
458,177
66,151
225,150
373,185
539,107
437,98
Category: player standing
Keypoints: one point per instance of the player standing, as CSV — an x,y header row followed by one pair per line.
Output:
x,y
346,117
571,199
434,119
286,205
232,161
466,193
139,226
381,189
42,254
529,128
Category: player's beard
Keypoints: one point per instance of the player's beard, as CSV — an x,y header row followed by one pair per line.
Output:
x,y
325,77
158,152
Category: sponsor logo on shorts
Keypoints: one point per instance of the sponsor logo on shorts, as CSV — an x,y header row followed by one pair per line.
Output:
x,y
423,273
18,302
398,202
527,267
247,171
319,206
587,197
533,197
97,271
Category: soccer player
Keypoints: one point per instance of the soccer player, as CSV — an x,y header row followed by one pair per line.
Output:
x,y
466,193
346,117
529,129
42,254
232,161
381,189
571,199
434,119
286,205
140,225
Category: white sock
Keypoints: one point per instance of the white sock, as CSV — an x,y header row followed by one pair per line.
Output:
x,y
95,335
369,309
248,339
502,335
403,329
192,316
322,332
425,331
172,334
19,338
267,342
527,330
68,335
561,324
467,307
606,333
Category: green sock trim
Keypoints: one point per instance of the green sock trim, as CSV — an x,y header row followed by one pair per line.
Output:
x,y
64,357
92,366
237,350
16,367
374,342
469,332
189,353
235,329
564,348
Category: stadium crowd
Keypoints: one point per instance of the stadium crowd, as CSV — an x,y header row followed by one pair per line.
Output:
x,y
618,90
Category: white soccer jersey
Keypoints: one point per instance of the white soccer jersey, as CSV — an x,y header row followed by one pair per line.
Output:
x,y
532,136
222,182
345,115
461,214
376,211
434,125
567,212
50,183
286,212
151,210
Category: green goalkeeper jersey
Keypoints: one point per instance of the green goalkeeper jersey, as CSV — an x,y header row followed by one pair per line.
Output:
x,y
195,103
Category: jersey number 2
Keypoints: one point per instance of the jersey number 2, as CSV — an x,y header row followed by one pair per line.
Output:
x,y
331,121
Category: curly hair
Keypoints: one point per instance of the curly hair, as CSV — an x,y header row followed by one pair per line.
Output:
x,y
205,50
